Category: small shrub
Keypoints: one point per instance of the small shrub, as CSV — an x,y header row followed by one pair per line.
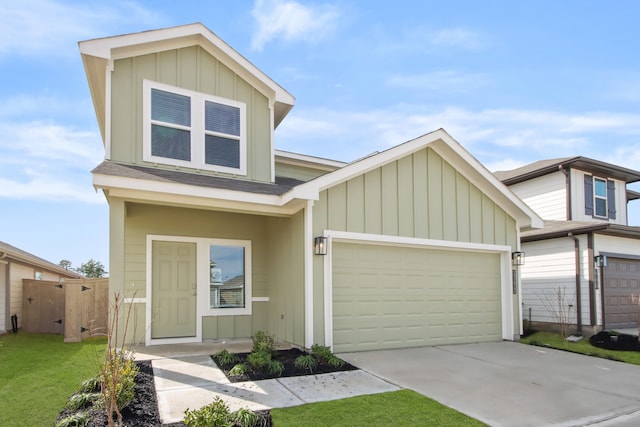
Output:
x,y
91,385
215,414
325,355
239,370
275,367
335,361
118,378
306,361
224,358
258,360
245,418
81,400
79,419
263,342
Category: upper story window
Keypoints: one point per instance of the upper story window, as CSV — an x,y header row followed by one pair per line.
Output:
x,y
600,197
191,129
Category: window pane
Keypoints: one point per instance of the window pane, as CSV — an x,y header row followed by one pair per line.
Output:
x,y
226,272
222,118
170,107
222,151
601,207
170,143
600,187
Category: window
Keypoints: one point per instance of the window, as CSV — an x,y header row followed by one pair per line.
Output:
x,y
192,129
600,197
227,277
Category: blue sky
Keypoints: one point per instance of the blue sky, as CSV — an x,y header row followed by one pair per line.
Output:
x,y
513,82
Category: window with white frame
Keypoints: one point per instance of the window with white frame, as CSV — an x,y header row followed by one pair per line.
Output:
x,y
227,276
600,197
192,129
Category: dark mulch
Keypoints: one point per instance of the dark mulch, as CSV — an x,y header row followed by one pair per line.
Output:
x,y
288,358
143,410
615,341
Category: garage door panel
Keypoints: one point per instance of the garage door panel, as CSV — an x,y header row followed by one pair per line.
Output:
x,y
621,282
394,297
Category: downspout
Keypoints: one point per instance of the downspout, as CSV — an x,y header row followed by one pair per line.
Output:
x,y
576,245
592,289
567,192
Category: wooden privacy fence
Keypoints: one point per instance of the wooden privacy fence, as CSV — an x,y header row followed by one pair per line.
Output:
x,y
75,308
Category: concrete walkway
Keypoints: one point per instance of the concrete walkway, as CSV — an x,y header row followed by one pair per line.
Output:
x,y
512,384
190,382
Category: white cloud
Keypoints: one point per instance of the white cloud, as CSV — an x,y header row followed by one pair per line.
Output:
x,y
419,40
52,28
291,21
458,37
497,137
48,161
449,81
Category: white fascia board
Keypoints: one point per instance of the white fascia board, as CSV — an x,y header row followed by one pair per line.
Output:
x,y
287,157
128,45
181,194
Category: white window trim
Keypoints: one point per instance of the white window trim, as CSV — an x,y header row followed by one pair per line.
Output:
x,y
202,288
605,198
197,129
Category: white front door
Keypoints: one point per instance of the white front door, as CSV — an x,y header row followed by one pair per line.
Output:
x,y
173,290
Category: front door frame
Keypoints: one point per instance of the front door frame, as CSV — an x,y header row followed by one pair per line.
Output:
x,y
149,317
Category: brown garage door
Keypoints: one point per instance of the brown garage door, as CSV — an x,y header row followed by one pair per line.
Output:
x,y
621,285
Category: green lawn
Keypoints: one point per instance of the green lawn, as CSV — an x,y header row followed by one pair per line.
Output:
x,y
554,340
39,372
397,408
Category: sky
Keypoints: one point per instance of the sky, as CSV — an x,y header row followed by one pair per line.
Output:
x,y
513,82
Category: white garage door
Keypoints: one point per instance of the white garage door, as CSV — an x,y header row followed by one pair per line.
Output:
x,y
394,297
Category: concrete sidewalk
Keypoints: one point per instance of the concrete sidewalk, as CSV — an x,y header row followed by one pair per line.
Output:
x,y
512,384
191,382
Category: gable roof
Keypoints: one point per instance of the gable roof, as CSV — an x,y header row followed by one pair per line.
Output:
x,y
451,151
98,56
544,167
9,251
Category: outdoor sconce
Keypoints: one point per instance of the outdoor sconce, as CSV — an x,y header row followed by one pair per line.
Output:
x,y
517,258
601,261
320,245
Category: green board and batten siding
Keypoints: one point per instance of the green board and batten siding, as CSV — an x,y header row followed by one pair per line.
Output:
x,y
276,268
194,69
421,196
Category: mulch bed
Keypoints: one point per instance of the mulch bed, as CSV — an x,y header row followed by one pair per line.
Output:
x,y
288,358
615,341
143,410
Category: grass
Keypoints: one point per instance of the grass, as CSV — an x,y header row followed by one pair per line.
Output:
x,y
39,372
397,408
554,340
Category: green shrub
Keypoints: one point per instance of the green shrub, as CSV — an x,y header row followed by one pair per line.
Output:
x,y
92,385
306,361
239,370
224,358
79,419
245,418
81,400
118,378
258,360
217,414
275,367
325,355
263,343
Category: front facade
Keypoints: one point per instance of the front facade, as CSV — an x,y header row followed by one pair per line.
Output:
x,y
212,229
584,205
16,265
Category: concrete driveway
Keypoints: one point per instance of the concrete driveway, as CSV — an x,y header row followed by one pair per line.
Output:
x,y
512,384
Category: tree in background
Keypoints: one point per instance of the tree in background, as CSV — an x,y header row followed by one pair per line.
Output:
x,y
92,269
65,263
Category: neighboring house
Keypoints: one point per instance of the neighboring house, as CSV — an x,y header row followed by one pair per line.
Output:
x,y
584,205
213,232
15,265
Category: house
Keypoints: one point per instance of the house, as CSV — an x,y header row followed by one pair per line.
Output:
x,y
216,234
586,248
15,265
